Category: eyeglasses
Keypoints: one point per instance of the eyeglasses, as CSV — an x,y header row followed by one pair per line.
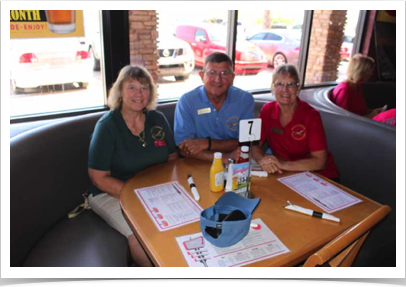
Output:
x,y
213,74
133,89
291,86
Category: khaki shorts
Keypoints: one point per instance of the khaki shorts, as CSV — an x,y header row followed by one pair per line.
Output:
x,y
108,208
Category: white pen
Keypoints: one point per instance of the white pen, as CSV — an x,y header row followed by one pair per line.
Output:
x,y
312,212
193,187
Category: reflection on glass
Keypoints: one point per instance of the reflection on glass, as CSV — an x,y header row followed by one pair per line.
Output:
x,y
56,74
330,45
185,39
277,34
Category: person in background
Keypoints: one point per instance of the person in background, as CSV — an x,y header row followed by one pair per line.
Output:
x,y
348,94
131,137
293,130
387,117
207,118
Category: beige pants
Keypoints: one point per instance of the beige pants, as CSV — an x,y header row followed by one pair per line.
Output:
x,y
108,208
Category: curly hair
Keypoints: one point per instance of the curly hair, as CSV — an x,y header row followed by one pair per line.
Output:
x,y
138,73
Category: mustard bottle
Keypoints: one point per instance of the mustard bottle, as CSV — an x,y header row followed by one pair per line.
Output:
x,y
217,173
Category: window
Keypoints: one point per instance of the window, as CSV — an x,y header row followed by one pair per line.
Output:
x,y
51,71
265,40
200,35
329,53
273,37
197,33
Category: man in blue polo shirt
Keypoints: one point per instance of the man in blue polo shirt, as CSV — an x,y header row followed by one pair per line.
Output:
x,y
207,118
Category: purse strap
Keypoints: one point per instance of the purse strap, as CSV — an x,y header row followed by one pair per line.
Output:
x,y
79,209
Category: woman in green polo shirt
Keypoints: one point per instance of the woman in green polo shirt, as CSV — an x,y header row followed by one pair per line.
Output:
x,y
130,137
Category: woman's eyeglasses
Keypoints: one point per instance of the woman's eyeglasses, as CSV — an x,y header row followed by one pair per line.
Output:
x,y
291,86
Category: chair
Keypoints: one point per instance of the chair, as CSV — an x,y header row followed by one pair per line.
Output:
x,y
342,251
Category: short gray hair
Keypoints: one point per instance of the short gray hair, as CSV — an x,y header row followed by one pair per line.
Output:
x,y
288,70
218,57
138,73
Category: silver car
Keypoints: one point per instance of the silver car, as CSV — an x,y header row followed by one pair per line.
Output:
x,y
281,46
175,58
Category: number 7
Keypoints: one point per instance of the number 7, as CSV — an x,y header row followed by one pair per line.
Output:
x,y
251,123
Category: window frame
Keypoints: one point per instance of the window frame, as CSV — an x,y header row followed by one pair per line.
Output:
x,y
116,54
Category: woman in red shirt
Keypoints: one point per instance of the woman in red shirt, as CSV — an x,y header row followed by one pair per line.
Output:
x,y
348,94
293,130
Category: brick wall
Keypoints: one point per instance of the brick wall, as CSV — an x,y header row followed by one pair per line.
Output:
x,y
143,40
325,44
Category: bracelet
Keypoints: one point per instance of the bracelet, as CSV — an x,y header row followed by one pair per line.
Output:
x,y
209,138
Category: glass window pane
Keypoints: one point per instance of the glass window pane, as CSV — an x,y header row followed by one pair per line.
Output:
x,y
54,70
197,33
265,39
331,45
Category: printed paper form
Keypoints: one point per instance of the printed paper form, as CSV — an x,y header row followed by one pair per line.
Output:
x,y
328,197
259,244
169,205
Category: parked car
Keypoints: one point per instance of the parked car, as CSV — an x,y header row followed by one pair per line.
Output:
x,y
281,46
175,57
208,38
92,31
49,61
346,48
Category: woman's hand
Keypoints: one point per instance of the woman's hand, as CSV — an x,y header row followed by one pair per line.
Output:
x,y
194,146
270,164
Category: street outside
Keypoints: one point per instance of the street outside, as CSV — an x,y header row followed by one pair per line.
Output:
x,y
69,97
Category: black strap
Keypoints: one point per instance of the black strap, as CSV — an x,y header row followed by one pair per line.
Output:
x,y
317,214
209,138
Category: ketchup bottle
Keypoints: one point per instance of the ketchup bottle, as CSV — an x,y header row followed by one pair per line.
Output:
x,y
244,156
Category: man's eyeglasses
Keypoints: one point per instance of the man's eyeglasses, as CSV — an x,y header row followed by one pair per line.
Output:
x,y
291,86
213,74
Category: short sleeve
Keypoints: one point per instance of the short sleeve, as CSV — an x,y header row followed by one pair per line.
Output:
x,y
250,104
101,147
340,97
170,141
316,135
184,123
264,115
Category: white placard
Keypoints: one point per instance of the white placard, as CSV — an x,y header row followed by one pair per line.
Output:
x,y
259,244
250,130
325,195
169,205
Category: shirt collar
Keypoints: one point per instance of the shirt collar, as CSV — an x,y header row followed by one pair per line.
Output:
x,y
275,111
204,98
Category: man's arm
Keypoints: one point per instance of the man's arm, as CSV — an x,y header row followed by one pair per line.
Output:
x,y
208,155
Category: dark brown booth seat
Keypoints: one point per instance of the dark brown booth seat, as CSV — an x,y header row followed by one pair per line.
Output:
x,y
49,175
365,155
47,179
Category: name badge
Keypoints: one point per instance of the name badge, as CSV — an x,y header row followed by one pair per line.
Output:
x,y
276,130
160,143
204,111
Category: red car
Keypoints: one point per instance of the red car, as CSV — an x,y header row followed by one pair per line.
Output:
x,y
208,38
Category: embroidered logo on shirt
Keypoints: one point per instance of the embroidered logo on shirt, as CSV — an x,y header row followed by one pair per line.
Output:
x,y
298,132
232,123
157,133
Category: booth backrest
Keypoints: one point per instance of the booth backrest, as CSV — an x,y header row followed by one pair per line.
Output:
x,y
365,155
47,178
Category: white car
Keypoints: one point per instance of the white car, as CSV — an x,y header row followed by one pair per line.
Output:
x,y
36,63
175,58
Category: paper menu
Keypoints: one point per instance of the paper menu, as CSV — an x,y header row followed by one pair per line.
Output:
x,y
169,205
327,196
259,244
